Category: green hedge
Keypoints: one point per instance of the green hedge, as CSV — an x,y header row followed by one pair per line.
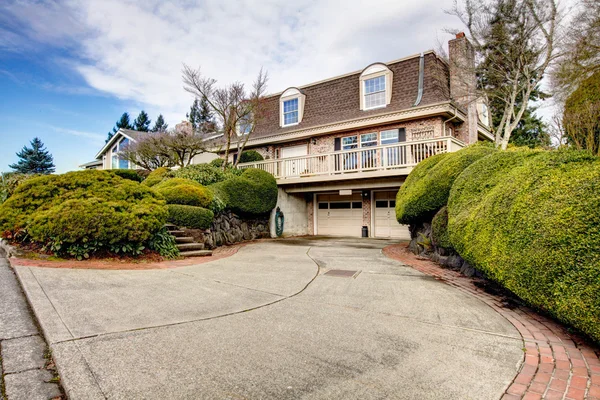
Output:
x,y
172,182
250,156
78,213
186,194
439,229
130,174
156,176
254,192
204,174
427,187
190,216
531,221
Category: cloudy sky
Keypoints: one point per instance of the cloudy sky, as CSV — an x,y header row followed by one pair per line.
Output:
x,y
69,68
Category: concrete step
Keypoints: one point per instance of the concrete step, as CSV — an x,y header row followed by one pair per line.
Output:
x,y
196,253
177,233
184,239
190,246
171,227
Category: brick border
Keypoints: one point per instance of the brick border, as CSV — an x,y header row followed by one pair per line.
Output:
x,y
556,364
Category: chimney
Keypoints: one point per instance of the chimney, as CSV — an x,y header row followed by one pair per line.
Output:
x,y
463,82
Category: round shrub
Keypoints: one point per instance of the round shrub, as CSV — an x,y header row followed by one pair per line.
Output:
x,y
250,156
531,221
190,216
172,182
156,176
427,187
190,195
253,192
204,174
130,174
439,229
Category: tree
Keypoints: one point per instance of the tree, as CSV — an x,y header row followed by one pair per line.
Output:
x,y
176,147
531,131
122,123
194,115
142,122
160,125
34,160
581,119
232,105
205,116
581,50
514,41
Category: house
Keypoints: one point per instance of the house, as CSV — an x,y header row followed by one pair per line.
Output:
x,y
341,148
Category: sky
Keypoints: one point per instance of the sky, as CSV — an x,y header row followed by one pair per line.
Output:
x,y
70,68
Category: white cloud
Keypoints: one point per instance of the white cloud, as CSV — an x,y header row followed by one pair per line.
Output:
x,y
134,49
94,137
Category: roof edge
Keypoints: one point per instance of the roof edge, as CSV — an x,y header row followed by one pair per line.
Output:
x,y
111,141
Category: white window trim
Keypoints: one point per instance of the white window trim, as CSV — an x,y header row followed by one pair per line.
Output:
x,y
374,71
358,142
291,94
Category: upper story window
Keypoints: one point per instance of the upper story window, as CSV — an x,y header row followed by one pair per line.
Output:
x,y
375,87
116,161
291,107
389,136
244,126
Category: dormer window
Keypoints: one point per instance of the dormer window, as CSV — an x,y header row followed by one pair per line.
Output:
x,y
291,107
375,87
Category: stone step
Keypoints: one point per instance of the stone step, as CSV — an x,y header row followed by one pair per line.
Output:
x,y
184,239
177,233
190,246
196,253
171,227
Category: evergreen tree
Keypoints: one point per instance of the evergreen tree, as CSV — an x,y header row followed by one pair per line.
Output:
x,y
205,114
34,160
160,125
123,123
194,115
142,122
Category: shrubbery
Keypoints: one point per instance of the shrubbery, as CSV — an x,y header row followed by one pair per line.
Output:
x,y
186,194
250,156
190,216
439,229
531,221
427,187
130,174
156,176
78,213
9,182
205,174
253,192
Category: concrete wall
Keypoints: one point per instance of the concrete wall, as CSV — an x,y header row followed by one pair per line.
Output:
x,y
295,211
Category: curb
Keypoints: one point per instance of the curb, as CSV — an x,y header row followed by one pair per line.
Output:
x,y
556,364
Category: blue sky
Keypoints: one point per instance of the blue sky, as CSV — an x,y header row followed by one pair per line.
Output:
x,y
70,68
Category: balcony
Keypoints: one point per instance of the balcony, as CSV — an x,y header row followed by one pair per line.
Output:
x,y
377,161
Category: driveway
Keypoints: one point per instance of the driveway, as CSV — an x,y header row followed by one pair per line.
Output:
x,y
268,323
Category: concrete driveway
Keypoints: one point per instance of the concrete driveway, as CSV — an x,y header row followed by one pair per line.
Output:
x,y
268,323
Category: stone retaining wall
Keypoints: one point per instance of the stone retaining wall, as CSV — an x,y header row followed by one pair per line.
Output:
x,y
228,228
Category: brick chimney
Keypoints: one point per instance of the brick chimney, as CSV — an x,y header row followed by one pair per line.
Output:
x,y
463,83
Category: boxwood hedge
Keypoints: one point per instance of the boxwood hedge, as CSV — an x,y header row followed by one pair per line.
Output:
x,y
531,221
427,187
254,192
190,216
439,229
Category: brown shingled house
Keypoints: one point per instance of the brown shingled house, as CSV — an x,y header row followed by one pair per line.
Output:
x,y
340,148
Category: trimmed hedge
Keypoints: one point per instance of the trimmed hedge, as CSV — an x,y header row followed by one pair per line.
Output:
x,y
531,221
187,194
427,187
156,176
190,216
204,174
250,156
439,229
254,192
130,174
172,182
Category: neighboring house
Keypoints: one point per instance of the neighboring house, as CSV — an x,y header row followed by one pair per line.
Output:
x,y
340,148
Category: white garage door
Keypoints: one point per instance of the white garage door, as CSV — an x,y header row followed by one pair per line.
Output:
x,y
386,225
339,215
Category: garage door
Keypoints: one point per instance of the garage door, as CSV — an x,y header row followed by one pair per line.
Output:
x,y
386,225
339,215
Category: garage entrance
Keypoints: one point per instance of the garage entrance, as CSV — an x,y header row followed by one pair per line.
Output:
x,y
385,223
339,215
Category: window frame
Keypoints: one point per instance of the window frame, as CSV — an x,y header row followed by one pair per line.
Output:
x,y
291,94
367,94
296,111
375,71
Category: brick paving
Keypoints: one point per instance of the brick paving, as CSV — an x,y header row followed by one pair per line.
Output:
x,y
556,364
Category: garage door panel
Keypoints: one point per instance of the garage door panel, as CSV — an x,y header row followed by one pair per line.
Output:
x,y
385,223
339,215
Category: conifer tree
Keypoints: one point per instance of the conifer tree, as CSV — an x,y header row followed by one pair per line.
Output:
x,y
123,123
160,125
142,122
194,115
34,160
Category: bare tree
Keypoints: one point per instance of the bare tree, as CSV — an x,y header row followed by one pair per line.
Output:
x,y
237,111
514,41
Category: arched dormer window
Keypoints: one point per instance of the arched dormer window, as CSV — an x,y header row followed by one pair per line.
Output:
x,y
291,107
375,86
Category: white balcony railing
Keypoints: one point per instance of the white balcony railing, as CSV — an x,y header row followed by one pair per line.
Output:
x,y
366,159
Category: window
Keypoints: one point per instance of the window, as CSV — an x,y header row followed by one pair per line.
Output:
x,y
368,139
375,92
389,137
381,204
340,205
245,125
290,112
323,206
349,143
116,162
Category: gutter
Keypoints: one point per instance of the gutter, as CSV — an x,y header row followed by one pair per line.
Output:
x,y
421,74
448,120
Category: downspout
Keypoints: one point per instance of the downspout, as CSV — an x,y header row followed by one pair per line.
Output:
x,y
448,120
421,74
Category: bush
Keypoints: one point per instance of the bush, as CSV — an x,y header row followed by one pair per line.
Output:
x,y
186,194
190,216
439,229
254,192
130,174
156,176
164,243
204,174
172,182
531,221
217,162
78,213
427,187
250,156
9,182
